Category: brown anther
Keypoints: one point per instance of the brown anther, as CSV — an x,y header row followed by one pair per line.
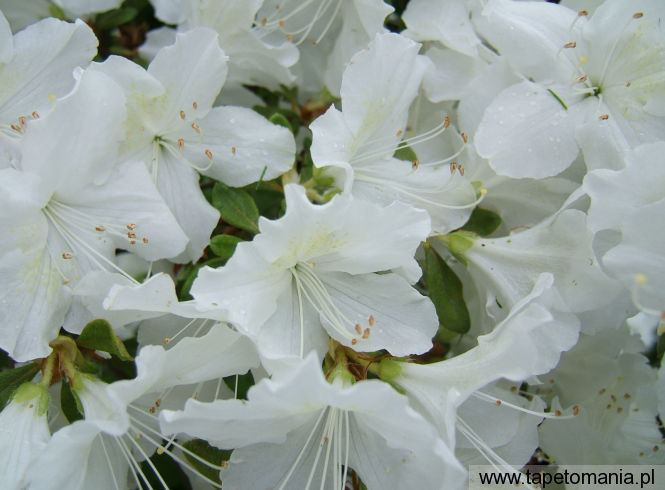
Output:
x,y
465,138
513,389
195,105
281,24
614,398
224,464
139,436
208,153
312,264
641,453
626,396
100,228
581,78
151,410
264,21
15,127
638,15
144,240
460,169
160,450
576,409
570,44
182,115
196,128
35,115
398,133
583,13
619,378
132,242
446,121
166,341
181,144
289,38
131,234
371,320
66,281
415,163
604,117
325,439
30,406
233,150
557,413
601,391
359,329
354,341
314,42
67,255
366,333
627,84
131,226
22,122
498,403
609,405
655,449
453,167
619,409
158,402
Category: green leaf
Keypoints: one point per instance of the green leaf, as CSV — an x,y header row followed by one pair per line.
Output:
x,y
224,245
99,335
114,18
236,207
445,291
483,222
406,153
12,379
187,284
211,454
245,382
69,403
660,347
170,471
280,120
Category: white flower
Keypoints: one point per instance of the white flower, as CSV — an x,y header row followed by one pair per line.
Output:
x,y
605,71
321,270
298,431
71,208
357,144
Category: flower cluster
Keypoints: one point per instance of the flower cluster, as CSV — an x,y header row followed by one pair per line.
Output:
x,y
328,243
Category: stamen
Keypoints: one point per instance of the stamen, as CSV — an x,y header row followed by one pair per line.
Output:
x,y
196,128
570,44
182,115
638,15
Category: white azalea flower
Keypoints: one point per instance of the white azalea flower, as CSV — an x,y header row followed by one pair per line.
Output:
x,y
605,70
313,273
357,144
24,433
119,428
298,431
172,126
71,208
251,60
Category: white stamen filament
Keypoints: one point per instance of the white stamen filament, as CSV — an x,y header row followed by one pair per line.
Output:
x,y
277,21
179,155
502,403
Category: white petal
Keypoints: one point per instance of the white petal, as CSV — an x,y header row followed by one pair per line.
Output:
x,y
404,322
80,8
243,145
200,71
6,40
525,132
450,74
157,39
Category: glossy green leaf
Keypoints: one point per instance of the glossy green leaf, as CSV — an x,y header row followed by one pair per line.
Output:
x,y
445,291
12,379
224,245
280,120
483,222
236,207
244,381
211,454
99,335
69,403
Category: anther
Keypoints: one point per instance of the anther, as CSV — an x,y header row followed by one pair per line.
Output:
x,y
181,143
453,167
151,410
354,341
196,128
22,122
465,138
195,105
626,396
131,226
289,38
132,242
35,115
498,403
264,21
366,333
583,13
570,44
144,240
557,413
359,329
281,24
602,391
371,320
100,228
166,341
581,78
638,15
66,281
513,389
655,449
399,133
627,84
314,42
224,464
604,117
614,398
415,163
576,409
131,234
182,114
158,402
233,150
460,169
139,436
160,450
446,121
325,439
67,256
619,409
15,127
208,154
